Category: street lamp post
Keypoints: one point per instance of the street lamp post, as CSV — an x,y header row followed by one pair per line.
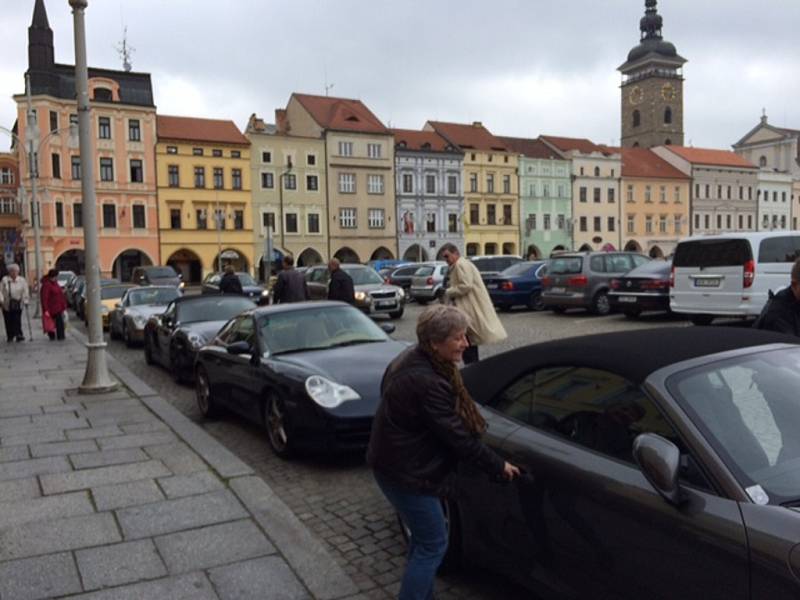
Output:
x,y
97,378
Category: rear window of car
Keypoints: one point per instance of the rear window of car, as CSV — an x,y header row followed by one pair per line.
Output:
x,y
653,267
404,271
783,249
520,268
712,253
560,266
486,264
162,272
423,272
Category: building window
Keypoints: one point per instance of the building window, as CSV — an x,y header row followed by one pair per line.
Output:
x,y
430,223
311,160
219,178
374,150
546,222
345,148
678,195
719,191
77,214
597,171
73,119
137,171
582,194
679,224
749,221
490,184
697,221
173,176
473,182
630,193
696,190
452,184
236,179
266,157
561,222
662,194
707,221
491,216
741,221
648,224
8,205
507,184
312,183
408,183
219,218
109,216
216,152
708,191
741,192
611,198
783,196
199,177
347,183
474,214
104,128
668,116
375,218
430,184
749,192
375,184
662,224
267,181
6,176
268,221
631,224
53,122
174,218
236,154
532,224
106,169
76,167
56,164
648,194
583,224
598,223
347,218
134,131
59,212
596,194
197,151
508,218
728,220
289,181
452,223
611,224
238,219
719,221
313,223
201,215
172,149
137,210
637,118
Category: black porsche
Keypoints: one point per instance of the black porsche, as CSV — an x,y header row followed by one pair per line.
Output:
x,y
656,464
308,372
173,338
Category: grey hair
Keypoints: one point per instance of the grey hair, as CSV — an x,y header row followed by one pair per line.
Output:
x,y
439,322
451,248
13,267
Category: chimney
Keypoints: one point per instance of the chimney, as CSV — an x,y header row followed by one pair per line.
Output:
x,y
477,124
281,122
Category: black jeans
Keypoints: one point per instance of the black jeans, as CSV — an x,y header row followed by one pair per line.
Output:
x,y
13,323
470,355
59,332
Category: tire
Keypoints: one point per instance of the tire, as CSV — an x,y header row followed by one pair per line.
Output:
x,y
504,307
535,302
175,366
126,336
148,350
559,310
600,304
111,333
632,313
701,320
453,558
278,428
396,314
203,396
421,302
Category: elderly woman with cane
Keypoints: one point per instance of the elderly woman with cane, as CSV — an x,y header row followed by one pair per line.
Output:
x,y
427,423
14,295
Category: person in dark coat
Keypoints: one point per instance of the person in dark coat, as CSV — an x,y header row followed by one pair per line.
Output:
x,y
230,284
425,425
782,313
341,284
291,285
54,303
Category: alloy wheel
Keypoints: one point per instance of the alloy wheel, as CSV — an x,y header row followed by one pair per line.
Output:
x,y
276,425
601,304
202,392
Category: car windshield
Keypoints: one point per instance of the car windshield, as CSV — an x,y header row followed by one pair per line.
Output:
x,y
748,409
65,275
246,279
112,291
713,253
653,267
423,272
519,269
318,328
565,265
160,272
160,296
363,276
213,308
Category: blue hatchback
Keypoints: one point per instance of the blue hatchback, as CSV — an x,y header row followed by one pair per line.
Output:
x,y
519,285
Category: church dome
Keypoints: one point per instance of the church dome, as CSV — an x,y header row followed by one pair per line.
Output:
x,y
658,46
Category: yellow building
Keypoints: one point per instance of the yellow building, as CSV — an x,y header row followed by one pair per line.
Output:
x,y
491,190
205,212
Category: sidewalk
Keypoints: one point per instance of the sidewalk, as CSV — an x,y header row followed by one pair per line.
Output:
x,y
119,496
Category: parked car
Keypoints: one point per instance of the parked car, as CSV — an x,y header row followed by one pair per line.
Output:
x,y
373,295
385,262
74,289
401,276
491,265
637,446
80,304
251,288
137,305
308,372
519,284
64,277
583,279
730,275
644,288
428,282
110,295
173,338
157,275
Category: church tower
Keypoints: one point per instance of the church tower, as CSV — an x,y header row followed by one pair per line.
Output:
x,y
41,54
652,88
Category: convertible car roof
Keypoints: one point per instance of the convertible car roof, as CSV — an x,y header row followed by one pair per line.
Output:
x,y
631,354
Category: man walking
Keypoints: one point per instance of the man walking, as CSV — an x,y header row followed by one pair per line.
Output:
x,y
291,284
53,305
14,295
230,284
467,291
341,284
782,312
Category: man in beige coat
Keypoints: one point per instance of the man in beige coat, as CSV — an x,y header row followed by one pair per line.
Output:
x,y
467,291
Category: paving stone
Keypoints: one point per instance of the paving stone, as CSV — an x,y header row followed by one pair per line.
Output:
x,y
35,436
119,564
18,409
145,427
41,577
93,432
108,457
178,457
87,478
62,408
11,423
60,448
52,507
14,453
268,578
213,546
189,485
60,421
96,407
183,513
137,440
45,537
34,466
121,495
19,489
192,586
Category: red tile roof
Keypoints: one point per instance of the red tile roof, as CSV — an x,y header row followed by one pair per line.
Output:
x,y
199,130
566,144
530,148
706,156
641,162
417,140
341,114
469,137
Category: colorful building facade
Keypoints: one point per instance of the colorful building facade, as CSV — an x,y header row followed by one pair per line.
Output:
x,y
12,245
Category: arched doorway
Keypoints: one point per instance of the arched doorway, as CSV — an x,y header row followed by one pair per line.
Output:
x,y
415,253
233,257
123,265
188,264
72,260
656,252
509,248
585,248
533,252
472,249
346,255
382,253
308,257
490,248
277,258
633,246
558,249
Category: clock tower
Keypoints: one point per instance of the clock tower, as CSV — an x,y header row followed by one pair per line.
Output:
x,y
652,88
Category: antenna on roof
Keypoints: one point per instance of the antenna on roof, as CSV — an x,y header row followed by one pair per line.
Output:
x,y
125,51
328,86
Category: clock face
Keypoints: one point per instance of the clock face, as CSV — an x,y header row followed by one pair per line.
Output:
x,y
668,92
636,95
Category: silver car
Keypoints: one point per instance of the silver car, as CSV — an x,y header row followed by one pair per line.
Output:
x,y
427,284
128,318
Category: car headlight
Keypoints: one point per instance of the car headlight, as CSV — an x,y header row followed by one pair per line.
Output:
x,y
400,293
182,284
327,393
196,340
139,321
264,293
360,296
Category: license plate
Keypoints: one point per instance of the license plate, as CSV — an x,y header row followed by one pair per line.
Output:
x,y
558,290
382,303
629,299
707,282
491,286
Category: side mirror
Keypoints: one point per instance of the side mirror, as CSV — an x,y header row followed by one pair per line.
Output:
x,y
659,460
388,327
239,348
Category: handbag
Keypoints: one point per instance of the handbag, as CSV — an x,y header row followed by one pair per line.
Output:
x,y
14,305
48,323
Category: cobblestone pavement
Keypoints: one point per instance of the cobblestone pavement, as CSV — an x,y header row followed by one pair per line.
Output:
x,y
336,496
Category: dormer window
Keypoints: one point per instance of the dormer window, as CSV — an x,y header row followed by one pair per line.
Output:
x,y
352,119
102,94
762,162
426,146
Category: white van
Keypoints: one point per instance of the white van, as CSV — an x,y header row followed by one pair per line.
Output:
x,y
731,274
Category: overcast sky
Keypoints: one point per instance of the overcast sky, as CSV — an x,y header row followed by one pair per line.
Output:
x,y
522,67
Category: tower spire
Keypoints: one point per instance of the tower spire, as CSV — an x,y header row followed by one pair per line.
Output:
x,y
40,40
652,23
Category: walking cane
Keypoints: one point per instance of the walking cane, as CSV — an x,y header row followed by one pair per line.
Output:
x,y
28,316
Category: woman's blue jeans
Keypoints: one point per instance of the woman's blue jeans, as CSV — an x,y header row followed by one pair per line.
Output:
x,y
428,541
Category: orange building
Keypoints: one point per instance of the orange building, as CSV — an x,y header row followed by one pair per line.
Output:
x,y
11,242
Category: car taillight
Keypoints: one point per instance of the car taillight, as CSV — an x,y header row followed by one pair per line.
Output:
x,y
429,281
614,284
749,273
672,277
507,286
387,281
578,281
657,284
547,281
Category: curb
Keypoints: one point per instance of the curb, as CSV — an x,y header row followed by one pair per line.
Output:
x,y
309,559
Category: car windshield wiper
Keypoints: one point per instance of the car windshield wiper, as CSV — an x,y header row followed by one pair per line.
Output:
x,y
354,342
295,350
